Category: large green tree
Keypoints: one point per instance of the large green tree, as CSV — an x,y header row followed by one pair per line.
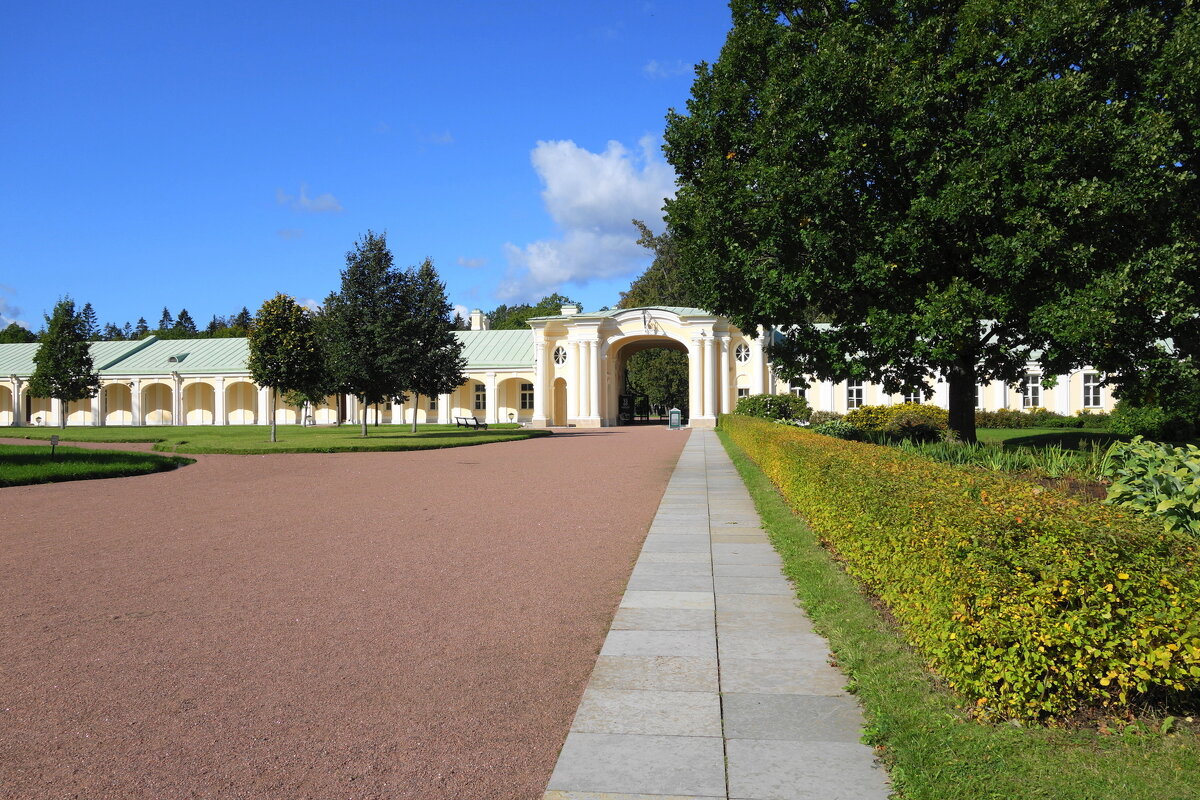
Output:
x,y
515,318
958,186
285,353
63,367
369,325
17,334
436,364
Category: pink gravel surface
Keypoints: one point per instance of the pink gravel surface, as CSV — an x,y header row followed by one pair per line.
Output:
x,y
354,625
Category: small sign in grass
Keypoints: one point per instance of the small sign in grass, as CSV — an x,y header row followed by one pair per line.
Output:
x,y
25,464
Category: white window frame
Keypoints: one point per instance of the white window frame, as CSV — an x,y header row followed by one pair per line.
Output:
x,y
1031,390
743,391
742,352
914,397
526,396
855,393
433,402
480,397
1091,386
797,386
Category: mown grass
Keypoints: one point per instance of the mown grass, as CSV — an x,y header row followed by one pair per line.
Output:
x,y
933,750
1068,438
254,439
21,465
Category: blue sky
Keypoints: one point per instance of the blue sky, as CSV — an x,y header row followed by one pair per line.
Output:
x,y
207,155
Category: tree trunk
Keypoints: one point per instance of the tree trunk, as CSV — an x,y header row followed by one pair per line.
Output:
x,y
271,411
364,407
416,397
63,408
961,385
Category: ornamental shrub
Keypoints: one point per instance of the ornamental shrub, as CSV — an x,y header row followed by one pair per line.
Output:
x,y
1031,604
905,421
1159,480
773,406
1151,422
818,417
839,429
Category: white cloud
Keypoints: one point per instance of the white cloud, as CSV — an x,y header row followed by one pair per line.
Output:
x,y
10,313
322,203
462,311
659,69
471,263
309,303
592,197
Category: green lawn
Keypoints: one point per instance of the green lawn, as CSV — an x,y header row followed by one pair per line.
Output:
x,y
251,439
933,750
25,464
1069,438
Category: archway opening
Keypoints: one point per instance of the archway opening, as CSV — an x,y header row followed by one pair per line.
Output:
x,y
199,404
652,378
118,404
558,409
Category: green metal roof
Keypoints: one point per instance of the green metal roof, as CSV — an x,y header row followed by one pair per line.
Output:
x,y
681,311
17,359
497,348
187,357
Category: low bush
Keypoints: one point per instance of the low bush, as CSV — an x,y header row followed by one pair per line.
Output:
x,y
1159,480
839,429
905,421
773,406
1150,422
1031,604
1039,418
817,417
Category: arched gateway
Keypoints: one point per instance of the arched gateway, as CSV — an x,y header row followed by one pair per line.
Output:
x,y
587,353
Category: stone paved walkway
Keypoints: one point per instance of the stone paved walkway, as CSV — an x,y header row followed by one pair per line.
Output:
x,y
711,684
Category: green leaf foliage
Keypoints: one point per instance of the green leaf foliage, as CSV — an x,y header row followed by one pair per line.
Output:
x,y
285,351
952,185
773,406
1032,605
1159,480
63,367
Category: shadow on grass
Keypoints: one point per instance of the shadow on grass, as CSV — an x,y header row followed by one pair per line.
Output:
x,y
1066,439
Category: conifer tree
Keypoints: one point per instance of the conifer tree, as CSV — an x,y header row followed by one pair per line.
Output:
x,y
91,323
184,325
370,325
142,330
166,322
63,367
436,364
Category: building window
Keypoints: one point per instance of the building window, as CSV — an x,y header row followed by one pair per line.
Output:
x,y
526,396
854,394
560,356
1031,391
912,397
743,392
433,402
1091,390
742,352
979,395
480,397
797,386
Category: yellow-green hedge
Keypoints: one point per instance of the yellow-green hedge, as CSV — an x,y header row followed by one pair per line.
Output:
x,y
885,418
1031,604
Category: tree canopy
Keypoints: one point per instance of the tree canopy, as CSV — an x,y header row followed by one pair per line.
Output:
x,y
516,318
956,186
285,353
63,367
16,334
436,364
664,283
369,325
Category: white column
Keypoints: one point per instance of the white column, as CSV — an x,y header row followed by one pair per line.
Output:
x,y
723,371
135,401
757,368
585,366
493,400
398,412
264,403
695,378
828,387
57,409
219,402
540,370
710,377
1001,389
98,407
1062,392
443,415
593,349
18,403
573,388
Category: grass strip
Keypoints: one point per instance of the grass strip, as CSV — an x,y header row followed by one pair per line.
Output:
x,y
253,439
934,752
22,465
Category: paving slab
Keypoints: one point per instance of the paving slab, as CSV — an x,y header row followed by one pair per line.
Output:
x,y
711,684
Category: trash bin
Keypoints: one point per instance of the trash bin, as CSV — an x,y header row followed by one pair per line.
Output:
x,y
675,417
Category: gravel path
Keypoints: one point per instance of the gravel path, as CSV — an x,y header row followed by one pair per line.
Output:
x,y
358,625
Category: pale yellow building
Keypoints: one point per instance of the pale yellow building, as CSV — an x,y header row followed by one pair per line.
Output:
x,y
566,370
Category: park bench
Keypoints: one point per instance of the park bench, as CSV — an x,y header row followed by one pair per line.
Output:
x,y
469,422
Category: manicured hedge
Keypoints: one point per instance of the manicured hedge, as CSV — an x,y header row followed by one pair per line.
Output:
x,y
1031,604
